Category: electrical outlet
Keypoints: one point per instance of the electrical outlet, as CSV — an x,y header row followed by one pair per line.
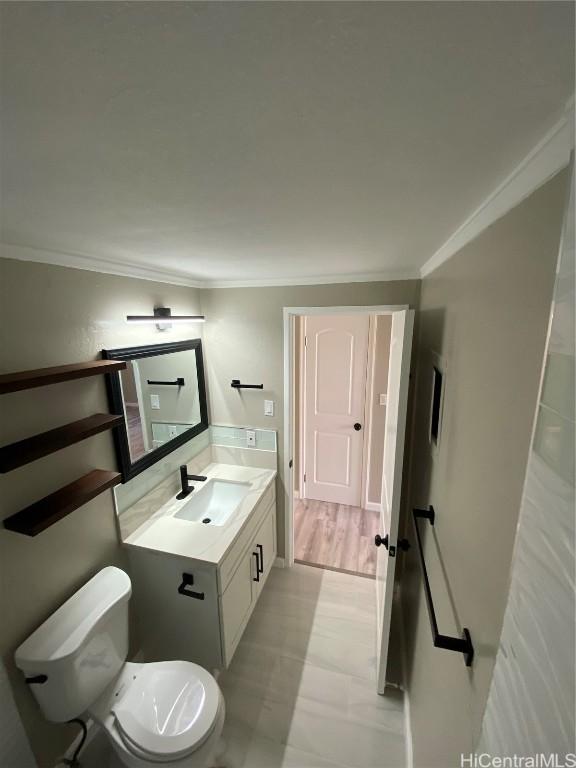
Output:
x,y
155,402
251,438
268,407
383,399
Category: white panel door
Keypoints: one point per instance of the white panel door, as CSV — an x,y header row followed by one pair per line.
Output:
x,y
398,379
336,358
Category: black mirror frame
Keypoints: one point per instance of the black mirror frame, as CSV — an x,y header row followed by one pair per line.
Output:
x,y
129,468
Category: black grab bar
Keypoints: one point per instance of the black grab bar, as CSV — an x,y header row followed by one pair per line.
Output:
x,y
462,644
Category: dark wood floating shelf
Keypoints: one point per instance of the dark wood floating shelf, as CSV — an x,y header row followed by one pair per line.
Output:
x,y
40,377
32,448
44,513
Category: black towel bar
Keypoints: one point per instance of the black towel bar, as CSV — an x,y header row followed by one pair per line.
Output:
x,y
178,383
236,384
462,644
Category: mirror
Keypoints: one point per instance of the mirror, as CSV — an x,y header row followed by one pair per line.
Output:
x,y
162,395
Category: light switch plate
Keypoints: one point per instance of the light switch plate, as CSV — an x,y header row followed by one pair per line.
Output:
x,y
251,438
155,402
268,407
383,399
172,431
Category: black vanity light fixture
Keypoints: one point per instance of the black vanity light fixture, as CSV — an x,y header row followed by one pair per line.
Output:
x,y
164,319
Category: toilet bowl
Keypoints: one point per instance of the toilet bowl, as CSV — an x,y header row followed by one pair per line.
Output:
x,y
168,712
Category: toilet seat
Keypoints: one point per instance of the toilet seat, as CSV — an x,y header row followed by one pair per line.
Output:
x,y
169,710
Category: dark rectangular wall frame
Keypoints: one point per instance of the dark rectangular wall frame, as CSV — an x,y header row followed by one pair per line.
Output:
x,y
131,469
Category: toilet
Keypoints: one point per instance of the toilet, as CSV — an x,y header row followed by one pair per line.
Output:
x,y
168,712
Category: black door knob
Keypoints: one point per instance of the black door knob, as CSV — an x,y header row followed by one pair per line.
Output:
x,y
357,427
379,540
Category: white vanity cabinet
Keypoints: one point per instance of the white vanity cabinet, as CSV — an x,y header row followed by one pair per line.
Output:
x,y
197,611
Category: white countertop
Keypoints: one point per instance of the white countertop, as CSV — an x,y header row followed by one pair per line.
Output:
x,y
163,532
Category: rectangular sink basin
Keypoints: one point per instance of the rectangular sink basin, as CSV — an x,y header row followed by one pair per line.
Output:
x,y
214,502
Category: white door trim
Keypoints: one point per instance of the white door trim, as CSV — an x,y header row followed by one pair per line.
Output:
x,y
301,352
368,414
288,350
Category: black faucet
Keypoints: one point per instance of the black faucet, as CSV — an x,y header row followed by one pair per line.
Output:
x,y
184,478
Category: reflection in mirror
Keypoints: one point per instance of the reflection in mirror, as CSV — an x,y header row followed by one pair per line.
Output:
x,y
162,395
161,399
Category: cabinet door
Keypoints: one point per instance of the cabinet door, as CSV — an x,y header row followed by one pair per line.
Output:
x,y
265,546
237,603
177,619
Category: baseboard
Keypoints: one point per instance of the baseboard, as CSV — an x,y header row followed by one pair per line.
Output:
x,y
323,567
279,562
406,699
372,506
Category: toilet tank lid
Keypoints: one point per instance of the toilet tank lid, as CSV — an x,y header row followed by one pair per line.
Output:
x,y
66,629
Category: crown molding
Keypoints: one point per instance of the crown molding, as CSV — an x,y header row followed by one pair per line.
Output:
x,y
125,269
360,277
547,158
93,264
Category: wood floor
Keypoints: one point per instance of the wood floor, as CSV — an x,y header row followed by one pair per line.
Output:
x,y
335,536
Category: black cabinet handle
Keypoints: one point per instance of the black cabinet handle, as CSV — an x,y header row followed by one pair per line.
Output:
x,y
258,571
187,581
357,426
261,548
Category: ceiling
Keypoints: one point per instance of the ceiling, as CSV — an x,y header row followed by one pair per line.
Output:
x,y
268,141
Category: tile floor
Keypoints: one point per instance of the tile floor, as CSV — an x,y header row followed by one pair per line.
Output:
x,y
300,692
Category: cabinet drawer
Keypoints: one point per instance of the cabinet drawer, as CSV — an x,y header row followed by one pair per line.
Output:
x,y
237,604
230,562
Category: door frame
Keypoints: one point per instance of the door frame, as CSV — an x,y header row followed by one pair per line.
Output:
x,y
289,313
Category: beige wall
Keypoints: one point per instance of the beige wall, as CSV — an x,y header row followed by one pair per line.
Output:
x,y
486,312
243,333
51,315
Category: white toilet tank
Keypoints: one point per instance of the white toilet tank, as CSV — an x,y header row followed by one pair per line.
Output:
x,y
81,648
